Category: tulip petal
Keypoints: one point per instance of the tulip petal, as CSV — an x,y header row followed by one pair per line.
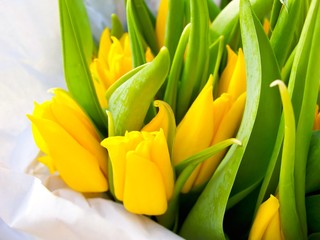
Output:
x,y
164,120
229,124
105,44
161,22
266,212
63,97
144,191
67,119
221,106
41,110
228,71
46,160
77,167
273,231
160,156
237,84
194,133
118,147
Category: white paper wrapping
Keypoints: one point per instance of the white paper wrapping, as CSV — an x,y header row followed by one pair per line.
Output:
x,y
34,205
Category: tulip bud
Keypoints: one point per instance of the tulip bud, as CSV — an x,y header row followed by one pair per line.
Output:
x,y
137,93
71,143
142,173
267,221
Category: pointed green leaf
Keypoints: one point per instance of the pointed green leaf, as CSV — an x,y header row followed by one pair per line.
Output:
x,y
288,26
257,134
174,25
117,28
304,85
170,95
227,21
136,41
290,223
313,164
313,209
197,59
130,102
77,44
145,23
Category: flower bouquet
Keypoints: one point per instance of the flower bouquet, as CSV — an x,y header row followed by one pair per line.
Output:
x,y
202,118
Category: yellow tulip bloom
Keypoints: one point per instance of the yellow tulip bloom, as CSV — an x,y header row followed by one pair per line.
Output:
x,y
266,224
71,143
209,121
142,172
113,61
316,124
161,22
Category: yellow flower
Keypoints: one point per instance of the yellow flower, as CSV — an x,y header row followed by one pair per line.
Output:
x,y
161,21
142,172
113,61
316,124
209,121
266,224
71,143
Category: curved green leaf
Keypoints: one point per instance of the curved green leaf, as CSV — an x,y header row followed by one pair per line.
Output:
x,y
257,133
197,59
77,44
313,164
117,28
130,102
145,23
226,22
304,78
290,223
136,41
170,95
313,209
174,25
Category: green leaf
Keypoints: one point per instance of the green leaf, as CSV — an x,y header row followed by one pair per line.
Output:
x,y
145,24
290,223
195,69
257,133
185,169
170,95
313,164
241,195
264,134
226,23
77,44
174,25
214,10
130,102
136,41
271,178
304,85
276,8
313,209
288,26
314,236
193,161
117,28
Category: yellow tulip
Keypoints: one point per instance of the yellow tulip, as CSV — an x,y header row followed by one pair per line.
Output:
x,y
209,121
161,21
113,61
266,224
71,143
316,124
142,172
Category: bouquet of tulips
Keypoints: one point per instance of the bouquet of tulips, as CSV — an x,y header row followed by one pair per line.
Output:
x,y
202,117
